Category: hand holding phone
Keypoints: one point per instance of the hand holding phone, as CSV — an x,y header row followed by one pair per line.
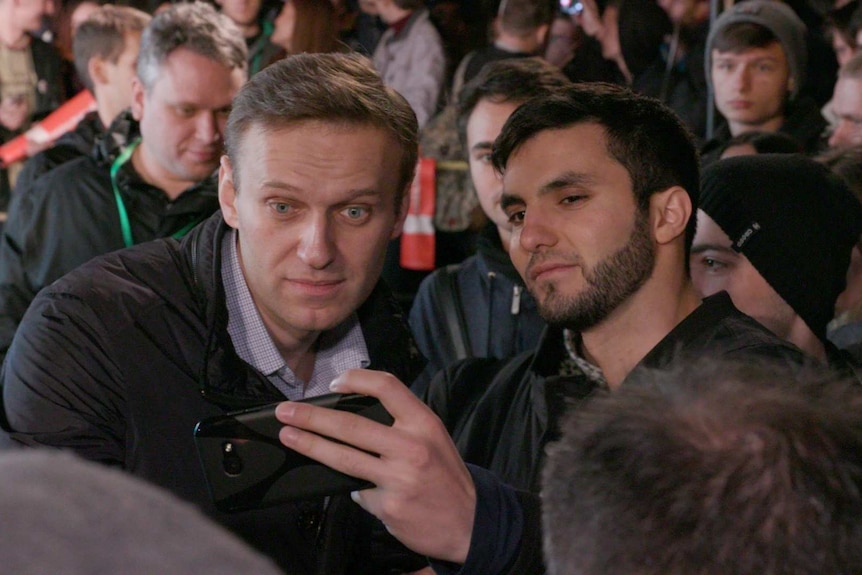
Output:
x,y
247,467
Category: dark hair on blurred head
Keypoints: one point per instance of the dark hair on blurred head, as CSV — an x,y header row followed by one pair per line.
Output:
x,y
514,80
765,143
519,17
712,468
103,35
845,21
741,36
314,29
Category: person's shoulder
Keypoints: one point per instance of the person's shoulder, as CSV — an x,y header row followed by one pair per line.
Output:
x,y
461,270
65,181
76,169
137,274
65,150
424,26
734,333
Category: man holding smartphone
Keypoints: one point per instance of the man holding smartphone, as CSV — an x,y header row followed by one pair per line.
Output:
x,y
600,187
270,299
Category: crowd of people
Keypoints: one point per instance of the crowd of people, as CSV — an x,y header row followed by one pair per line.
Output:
x,y
638,349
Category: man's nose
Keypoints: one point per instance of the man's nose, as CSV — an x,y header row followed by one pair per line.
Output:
x,y
316,248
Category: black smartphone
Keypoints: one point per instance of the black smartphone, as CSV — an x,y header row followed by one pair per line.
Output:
x,y
247,467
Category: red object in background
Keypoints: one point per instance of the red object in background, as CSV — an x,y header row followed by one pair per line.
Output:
x,y
417,241
57,123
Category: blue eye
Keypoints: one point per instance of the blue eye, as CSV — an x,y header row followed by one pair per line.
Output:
x,y
355,212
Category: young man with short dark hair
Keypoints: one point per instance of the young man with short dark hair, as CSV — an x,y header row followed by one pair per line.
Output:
x,y
756,59
497,317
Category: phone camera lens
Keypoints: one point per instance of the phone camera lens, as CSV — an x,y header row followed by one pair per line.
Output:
x,y
231,461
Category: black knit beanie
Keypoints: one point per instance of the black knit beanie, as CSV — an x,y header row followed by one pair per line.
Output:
x,y
795,222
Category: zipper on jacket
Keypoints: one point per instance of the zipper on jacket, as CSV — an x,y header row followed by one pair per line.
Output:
x,y
491,277
516,299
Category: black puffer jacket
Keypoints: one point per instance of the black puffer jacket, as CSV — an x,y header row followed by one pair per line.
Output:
x,y
121,358
70,216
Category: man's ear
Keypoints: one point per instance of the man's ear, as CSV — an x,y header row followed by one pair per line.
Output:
x,y
402,214
791,83
227,192
96,70
670,212
138,96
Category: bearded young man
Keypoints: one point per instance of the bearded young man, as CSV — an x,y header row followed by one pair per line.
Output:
x,y
600,186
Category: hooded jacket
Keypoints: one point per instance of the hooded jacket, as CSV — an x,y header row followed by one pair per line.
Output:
x,y
501,317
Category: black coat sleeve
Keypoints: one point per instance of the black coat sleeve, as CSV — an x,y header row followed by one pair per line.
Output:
x,y
60,385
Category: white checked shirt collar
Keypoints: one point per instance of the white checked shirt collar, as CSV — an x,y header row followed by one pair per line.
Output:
x,y
339,349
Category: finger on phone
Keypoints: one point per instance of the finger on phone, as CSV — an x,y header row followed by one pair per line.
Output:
x,y
343,426
338,456
395,396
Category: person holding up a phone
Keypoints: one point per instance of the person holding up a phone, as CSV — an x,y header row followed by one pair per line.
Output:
x,y
270,299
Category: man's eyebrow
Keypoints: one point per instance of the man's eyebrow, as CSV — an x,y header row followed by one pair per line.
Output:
x,y
738,56
700,248
357,193
566,180
351,194
507,200
561,182
279,185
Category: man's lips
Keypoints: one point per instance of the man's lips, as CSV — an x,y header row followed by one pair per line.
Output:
x,y
739,104
316,287
205,155
539,271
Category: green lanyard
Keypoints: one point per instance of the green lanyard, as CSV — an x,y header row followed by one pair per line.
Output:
x,y
266,31
125,226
